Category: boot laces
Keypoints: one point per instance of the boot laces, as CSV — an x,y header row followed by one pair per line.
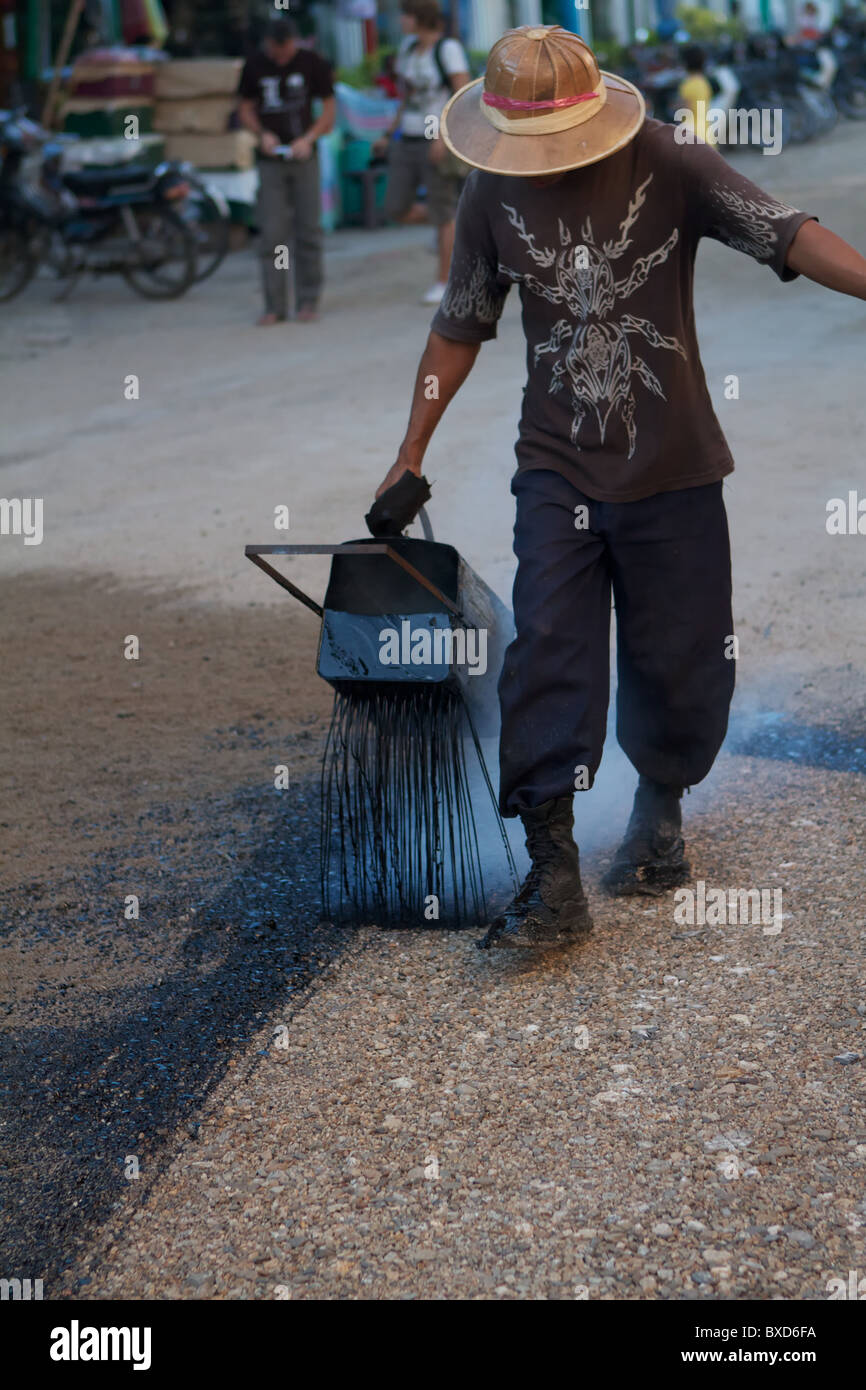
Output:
x,y
530,883
543,852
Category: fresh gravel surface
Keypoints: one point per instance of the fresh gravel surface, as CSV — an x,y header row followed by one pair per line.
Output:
x,y
664,1112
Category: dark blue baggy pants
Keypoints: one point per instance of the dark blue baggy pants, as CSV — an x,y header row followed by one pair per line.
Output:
x,y
666,560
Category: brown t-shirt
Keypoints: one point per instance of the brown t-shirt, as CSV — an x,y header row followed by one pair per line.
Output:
x,y
283,94
616,398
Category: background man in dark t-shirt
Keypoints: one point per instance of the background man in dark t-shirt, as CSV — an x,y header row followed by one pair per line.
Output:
x,y
596,215
276,89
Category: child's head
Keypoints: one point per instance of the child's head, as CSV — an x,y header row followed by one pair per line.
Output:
x,y
694,58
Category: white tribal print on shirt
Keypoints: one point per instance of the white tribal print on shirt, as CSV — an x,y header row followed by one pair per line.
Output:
x,y
615,397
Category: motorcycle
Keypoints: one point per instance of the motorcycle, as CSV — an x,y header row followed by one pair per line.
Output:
x,y
120,220
849,86
203,209
767,85
818,69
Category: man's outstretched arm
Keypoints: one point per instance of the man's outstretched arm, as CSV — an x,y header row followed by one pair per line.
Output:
x,y
444,367
823,256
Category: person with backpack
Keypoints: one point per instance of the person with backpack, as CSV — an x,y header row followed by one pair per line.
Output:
x,y
430,68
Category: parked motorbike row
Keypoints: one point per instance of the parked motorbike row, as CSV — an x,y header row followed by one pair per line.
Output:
x,y
161,228
810,85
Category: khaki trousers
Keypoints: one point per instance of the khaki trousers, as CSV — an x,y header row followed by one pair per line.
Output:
x,y
289,214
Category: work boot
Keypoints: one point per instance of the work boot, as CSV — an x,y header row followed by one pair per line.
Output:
x,y
650,858
550,908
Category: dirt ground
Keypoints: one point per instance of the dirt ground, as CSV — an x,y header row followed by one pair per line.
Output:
x,y
154,777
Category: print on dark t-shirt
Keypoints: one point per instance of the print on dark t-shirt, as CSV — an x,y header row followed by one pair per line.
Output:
x,y
616,398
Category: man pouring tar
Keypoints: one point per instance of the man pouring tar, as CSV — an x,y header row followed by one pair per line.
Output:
x,y
595,213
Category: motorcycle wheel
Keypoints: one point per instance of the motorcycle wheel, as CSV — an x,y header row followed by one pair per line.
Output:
x,y
17,262
210,225
830,110
851,99
169,275
799,122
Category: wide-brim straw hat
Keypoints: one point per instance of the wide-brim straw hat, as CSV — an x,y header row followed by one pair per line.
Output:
x,y
542,107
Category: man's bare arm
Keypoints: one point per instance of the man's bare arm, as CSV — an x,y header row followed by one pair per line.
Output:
x,y
249,119
325,124
824,257
444,367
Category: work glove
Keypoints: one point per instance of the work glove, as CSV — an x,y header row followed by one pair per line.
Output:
x,y
398,506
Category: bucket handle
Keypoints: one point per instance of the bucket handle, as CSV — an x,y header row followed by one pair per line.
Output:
x,y
256,552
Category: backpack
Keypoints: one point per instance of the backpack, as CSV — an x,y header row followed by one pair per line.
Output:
x,y
451,166
437,58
